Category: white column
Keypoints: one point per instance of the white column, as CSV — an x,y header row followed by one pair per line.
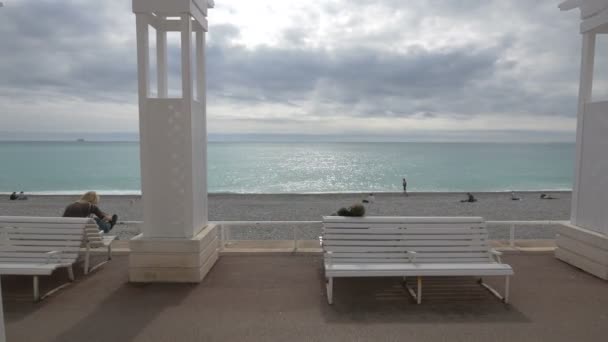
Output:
x,y
201,87
177,244
585,92
161,60
186,36
143,60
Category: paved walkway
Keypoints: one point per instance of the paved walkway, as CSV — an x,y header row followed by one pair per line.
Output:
x,y
282,298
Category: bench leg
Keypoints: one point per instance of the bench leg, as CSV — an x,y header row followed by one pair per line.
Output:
x,y
504,298
38,297
87,260
71,273
110,251
417,295
36,289
330,290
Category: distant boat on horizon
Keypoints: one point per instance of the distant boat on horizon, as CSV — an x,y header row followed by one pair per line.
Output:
x,y
80,140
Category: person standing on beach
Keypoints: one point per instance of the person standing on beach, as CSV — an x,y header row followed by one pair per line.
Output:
x,y
404,186
86,206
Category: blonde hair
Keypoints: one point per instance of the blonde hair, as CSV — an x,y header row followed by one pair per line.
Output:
x,y
90,196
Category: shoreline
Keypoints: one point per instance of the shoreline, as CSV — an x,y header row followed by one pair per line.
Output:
x,y
138,192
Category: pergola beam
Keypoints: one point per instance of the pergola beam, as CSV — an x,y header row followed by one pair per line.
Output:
x,y
163,23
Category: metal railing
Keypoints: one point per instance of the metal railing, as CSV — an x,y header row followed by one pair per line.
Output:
x,y
294,230
513,224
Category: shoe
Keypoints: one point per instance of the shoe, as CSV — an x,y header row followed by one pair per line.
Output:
x,y
113,221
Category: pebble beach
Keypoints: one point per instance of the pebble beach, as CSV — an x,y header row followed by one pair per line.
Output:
x,y
493,206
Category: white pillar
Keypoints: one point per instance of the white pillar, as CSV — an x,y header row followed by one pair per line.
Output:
x,y
177,244
584,242
161,60
584,97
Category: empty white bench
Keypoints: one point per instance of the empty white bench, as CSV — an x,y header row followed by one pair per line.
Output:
x,y
409,247
38,246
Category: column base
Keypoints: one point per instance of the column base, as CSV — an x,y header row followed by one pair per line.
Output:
x,y
173,260
583,248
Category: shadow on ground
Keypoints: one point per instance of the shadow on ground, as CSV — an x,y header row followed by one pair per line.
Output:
x,y
444,300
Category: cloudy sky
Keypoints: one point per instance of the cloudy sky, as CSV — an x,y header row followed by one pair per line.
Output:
x,y
393,69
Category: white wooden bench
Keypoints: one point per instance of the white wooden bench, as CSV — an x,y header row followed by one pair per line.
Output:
x,y
39,245
410,247
93,239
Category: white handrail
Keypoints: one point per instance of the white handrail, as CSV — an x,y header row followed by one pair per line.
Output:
x,y
226,227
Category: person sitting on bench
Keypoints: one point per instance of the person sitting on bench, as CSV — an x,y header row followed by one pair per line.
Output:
x,y
86,206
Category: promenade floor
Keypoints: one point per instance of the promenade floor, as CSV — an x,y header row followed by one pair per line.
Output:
x,y
281,297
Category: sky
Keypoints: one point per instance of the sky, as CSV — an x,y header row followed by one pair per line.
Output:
x,y
416,70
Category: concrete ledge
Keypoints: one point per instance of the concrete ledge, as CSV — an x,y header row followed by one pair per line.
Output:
x,y
140,244
155,260
172,274
585,249
583,235
172,259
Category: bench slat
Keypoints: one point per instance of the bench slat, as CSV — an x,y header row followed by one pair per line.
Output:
x,y
28,269
404,237
40,248
404,249
62,237
464,243
33,254
413,231
46,219
419,255
406,260
401,219
41,225
49,243
41,260
402,226
45,231
395,270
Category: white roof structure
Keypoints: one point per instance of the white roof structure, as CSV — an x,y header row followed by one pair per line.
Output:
x,y
594,14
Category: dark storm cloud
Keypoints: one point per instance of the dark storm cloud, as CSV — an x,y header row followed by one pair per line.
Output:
x,y
80,49
63,48
450,80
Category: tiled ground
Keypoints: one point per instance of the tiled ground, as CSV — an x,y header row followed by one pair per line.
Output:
x,y
282,298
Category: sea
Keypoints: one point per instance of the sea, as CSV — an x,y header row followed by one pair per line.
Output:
x,y
297,167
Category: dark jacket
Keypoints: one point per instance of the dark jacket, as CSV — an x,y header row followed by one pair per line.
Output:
x,y
83,209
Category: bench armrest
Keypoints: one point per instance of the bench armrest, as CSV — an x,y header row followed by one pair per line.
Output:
x,y
496,254
51,254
